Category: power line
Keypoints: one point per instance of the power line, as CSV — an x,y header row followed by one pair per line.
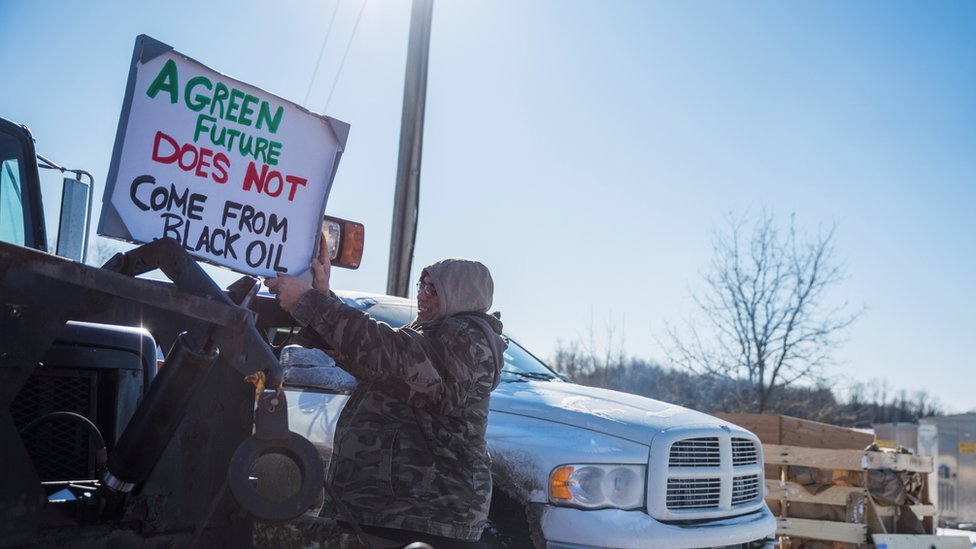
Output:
x,y
344,55
318,63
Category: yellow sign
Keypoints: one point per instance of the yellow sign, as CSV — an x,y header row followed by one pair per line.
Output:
x,y
967,447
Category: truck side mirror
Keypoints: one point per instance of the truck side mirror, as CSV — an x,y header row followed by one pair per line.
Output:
x,y
75,214
346,241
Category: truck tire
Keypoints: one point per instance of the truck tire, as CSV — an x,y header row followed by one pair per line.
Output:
x,y
508,526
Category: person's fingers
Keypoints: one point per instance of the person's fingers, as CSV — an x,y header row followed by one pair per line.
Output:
x,y
320,276
323,247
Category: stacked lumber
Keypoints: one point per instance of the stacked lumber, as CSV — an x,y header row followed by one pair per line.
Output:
x,y
832,487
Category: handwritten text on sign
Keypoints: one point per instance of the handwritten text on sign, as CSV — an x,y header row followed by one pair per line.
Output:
x,y
237,175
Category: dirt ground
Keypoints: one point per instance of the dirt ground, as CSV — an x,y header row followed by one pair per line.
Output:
x,y
306,532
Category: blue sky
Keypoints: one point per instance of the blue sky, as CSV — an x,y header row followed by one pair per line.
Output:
x,y
586,151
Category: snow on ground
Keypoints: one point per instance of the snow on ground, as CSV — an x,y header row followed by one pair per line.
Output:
x,y
952,532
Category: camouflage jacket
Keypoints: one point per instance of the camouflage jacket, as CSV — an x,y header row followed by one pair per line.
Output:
x,y
409,450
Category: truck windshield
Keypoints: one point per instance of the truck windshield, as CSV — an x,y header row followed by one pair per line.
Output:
x,y
11,196
522,364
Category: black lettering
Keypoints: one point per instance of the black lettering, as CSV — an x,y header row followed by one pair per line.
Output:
x,y
172,198
246,215
259,222
195,208
134,187
249,256
276,225
172,224
214,235
230,211
229,245
277,261
203,241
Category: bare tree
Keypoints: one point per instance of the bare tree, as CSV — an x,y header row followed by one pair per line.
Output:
x,y
874,401
765,310
590,360
102,249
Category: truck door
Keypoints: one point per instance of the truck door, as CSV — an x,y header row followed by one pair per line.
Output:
x,y
21,214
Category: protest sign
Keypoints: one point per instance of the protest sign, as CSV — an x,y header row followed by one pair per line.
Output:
x,y
239,176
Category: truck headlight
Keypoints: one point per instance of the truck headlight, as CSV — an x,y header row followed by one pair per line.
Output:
x,y
594,486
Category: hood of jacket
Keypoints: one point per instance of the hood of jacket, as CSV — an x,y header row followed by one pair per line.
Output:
x,y
463,286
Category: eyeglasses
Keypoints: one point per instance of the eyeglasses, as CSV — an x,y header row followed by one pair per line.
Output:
x,y
426,287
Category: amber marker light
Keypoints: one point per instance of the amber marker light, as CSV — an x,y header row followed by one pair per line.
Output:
x,y
559,483
352,245
346,241
598,485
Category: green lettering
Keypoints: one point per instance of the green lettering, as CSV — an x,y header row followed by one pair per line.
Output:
x,y
220,93
260,144
235,97
233,134
167,80
274,149
201,128
246,110
198,102
264,115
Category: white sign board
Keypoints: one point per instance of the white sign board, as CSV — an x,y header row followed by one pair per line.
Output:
x,y
237,175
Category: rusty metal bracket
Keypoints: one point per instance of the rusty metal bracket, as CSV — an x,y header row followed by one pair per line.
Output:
x,y
111,295
273,437
39,292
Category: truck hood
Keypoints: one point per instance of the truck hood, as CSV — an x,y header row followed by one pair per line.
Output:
x,y
624,415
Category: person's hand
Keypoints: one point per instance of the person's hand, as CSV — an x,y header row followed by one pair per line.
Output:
x,y
322,267
287,290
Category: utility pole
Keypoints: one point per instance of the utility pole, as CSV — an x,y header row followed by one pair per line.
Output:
x,y
406,198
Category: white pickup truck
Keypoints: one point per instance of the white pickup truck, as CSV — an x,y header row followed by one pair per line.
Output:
x,y
578,467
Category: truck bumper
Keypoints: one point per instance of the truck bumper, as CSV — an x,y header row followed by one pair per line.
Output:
x,y
567,528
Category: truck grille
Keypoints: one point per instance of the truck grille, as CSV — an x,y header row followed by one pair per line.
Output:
x,y
698,493
745,489
706,475
59,449
744,452
695,452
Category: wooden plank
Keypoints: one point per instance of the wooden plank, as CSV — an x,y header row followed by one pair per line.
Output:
x,y
820,458
875,524
910,541
849,460
765,426
919,511
821,529
792,431
791,491
899,462
803,432
922,511
857,510
929,523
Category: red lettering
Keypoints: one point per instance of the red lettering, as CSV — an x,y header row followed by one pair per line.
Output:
x,y
295,182
271,182
190,159
188,148
165,159
274,179
252,177
205,154
221,163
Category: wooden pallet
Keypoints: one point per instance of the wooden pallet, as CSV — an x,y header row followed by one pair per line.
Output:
x,y
841,456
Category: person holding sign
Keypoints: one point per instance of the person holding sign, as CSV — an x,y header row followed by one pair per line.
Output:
x,y
410,460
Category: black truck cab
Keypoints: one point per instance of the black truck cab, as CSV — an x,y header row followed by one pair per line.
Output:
x,y
102,447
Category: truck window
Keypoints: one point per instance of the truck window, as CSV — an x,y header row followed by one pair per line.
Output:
x,y
11,198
